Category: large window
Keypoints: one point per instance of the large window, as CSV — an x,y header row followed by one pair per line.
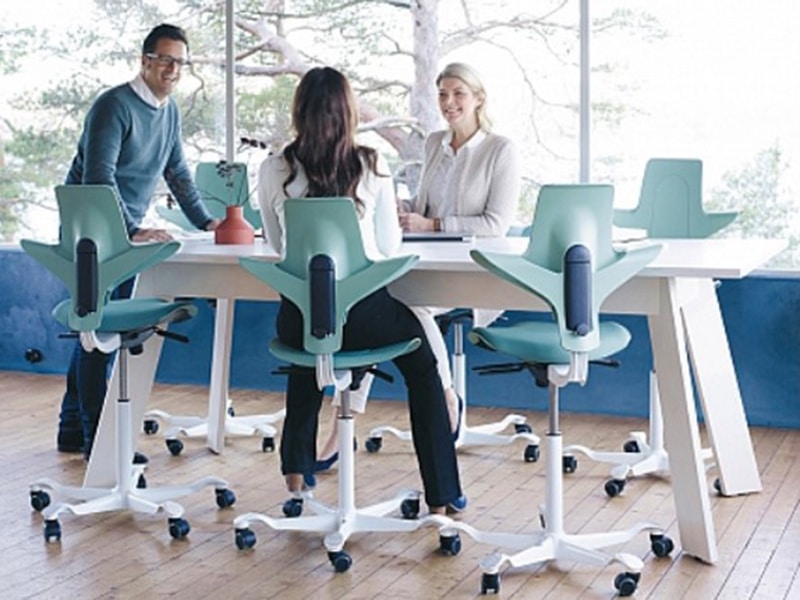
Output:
x,y
700,80
719,84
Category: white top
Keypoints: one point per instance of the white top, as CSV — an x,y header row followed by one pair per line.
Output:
x,y
475,190
380,229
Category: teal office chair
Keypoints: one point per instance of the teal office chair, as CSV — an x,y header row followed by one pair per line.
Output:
x,y
670,206
325,272
671,202
571,265
217,191
93,256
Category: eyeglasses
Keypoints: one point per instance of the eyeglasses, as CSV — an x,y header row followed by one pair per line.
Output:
x,y
165,60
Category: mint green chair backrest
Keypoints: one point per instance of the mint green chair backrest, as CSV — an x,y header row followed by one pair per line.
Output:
x,y
93,212
565,216
671,202
217,190
326,226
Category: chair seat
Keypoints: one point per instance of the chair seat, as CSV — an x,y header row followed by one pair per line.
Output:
x,y
129,315
351,359
540,342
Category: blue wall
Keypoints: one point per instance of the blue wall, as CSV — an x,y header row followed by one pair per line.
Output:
x,y
762,316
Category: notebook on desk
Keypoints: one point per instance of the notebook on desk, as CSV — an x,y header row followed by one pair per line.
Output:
x,y
437,236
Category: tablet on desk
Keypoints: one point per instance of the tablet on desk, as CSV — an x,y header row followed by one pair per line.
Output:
x,y
437,236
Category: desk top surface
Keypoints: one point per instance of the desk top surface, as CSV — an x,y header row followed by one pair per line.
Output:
x,y
714,258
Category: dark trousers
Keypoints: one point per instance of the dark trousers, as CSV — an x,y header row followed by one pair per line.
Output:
x,y
375,321
87,381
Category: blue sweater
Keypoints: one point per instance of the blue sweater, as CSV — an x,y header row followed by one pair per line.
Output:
x,y
128,144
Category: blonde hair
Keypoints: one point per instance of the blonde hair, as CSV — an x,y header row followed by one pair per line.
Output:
x,y
473,81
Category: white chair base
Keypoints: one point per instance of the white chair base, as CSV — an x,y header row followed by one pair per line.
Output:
x,y
194,427
639,457
554,544
129,492
338,523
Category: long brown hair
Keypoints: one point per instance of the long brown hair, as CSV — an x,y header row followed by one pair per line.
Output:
x,y
325,118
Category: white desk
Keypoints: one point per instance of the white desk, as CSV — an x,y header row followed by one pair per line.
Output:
x,y
676,292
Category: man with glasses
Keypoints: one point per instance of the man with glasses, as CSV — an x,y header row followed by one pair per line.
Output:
x,y
131,138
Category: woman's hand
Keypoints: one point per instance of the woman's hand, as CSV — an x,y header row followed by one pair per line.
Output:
x,y
415,222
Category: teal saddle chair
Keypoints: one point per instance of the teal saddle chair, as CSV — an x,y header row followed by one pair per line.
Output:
x,y
571,265
325,273
93,256
220,184
670,206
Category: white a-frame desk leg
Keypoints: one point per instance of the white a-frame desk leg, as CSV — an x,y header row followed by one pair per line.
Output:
x,y
681,434
220,373
719,393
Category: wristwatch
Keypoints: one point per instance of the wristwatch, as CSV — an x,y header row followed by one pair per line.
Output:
x,y
437,224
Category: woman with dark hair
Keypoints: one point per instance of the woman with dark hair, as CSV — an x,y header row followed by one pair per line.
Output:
x,y
324,160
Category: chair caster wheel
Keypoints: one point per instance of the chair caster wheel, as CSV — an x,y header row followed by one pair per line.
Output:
x,y
631,447
531,453
141,483
410,508
225,497
52,531
175,447
522,428
245,538
373,444
614,487
569,464
626,583
490,583
661,545
293,507
40,500
450,545
150,426
340,560
268,444
179,528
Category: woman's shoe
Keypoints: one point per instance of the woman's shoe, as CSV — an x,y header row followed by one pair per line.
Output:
x,y
457,505
326,464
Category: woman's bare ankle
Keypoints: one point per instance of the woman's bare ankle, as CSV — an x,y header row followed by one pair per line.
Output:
x,y
451,398
294,482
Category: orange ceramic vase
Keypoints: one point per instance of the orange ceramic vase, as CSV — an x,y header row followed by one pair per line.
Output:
x,y
234,229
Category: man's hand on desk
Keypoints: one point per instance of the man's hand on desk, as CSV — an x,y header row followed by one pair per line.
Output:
x,y
151,235
213,224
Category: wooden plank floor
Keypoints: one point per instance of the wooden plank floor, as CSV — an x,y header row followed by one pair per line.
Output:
x,y
122,555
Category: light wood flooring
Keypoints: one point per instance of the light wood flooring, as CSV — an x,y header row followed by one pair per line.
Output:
x,y
125,555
